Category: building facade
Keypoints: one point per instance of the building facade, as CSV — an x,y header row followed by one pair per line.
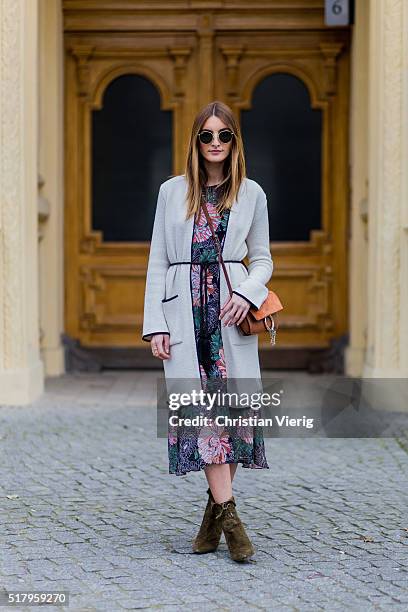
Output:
x,y
97,100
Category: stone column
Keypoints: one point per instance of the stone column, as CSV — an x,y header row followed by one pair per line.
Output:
x,y
21,370
51,170
387,337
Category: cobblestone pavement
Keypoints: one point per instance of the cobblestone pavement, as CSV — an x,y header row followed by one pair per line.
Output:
x,y
87,506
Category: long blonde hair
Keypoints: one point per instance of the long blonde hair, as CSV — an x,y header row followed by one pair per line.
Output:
x,y
234,165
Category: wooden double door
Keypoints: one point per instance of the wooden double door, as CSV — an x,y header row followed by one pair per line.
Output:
x,y
134,80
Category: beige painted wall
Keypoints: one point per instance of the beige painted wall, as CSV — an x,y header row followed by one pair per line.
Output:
x,y
387,340
379,194
51,171
358,238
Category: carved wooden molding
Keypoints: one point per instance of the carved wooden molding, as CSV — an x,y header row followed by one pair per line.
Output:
x,y
91,282
232,55
104,76
180,57
94,280
318,288
205,24
205,34
330,52
279,66
82,55
137,16
91,241
292,61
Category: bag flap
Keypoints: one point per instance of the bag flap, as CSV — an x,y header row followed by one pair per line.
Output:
x,y
271,305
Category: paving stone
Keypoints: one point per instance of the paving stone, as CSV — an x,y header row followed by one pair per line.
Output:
x,y
98,514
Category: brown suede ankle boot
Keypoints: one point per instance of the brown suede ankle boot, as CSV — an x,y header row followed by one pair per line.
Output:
x,y
209,535
239,545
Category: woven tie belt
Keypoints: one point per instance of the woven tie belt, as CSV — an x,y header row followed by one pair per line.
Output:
x,y
204,333
206,263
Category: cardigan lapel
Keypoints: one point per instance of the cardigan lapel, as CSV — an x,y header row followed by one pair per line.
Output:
x,y
230,233
232,225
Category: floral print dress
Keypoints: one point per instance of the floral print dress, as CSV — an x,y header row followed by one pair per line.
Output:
x,y
211,444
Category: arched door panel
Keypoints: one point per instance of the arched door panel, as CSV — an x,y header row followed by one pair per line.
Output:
x,y
290,93
124,122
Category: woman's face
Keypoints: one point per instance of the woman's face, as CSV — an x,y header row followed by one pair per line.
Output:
x,y
215,151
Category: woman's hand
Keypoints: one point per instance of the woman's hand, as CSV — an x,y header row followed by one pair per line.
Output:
x,y
234,310
160,345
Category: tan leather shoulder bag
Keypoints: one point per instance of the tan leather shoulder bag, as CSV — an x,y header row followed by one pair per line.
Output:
x,y
257,320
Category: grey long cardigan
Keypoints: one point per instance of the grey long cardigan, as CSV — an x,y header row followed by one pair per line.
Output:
x,y
168,300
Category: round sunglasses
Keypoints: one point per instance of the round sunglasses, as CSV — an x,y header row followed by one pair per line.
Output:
x,y
225,135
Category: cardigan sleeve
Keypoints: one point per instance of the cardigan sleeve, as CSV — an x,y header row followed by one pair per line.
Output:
x,y
260,266
245,298
153,315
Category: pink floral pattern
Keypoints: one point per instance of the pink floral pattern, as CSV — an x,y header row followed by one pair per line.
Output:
x,y
214,445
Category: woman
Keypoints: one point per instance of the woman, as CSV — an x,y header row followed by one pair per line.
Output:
x,y
191,320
